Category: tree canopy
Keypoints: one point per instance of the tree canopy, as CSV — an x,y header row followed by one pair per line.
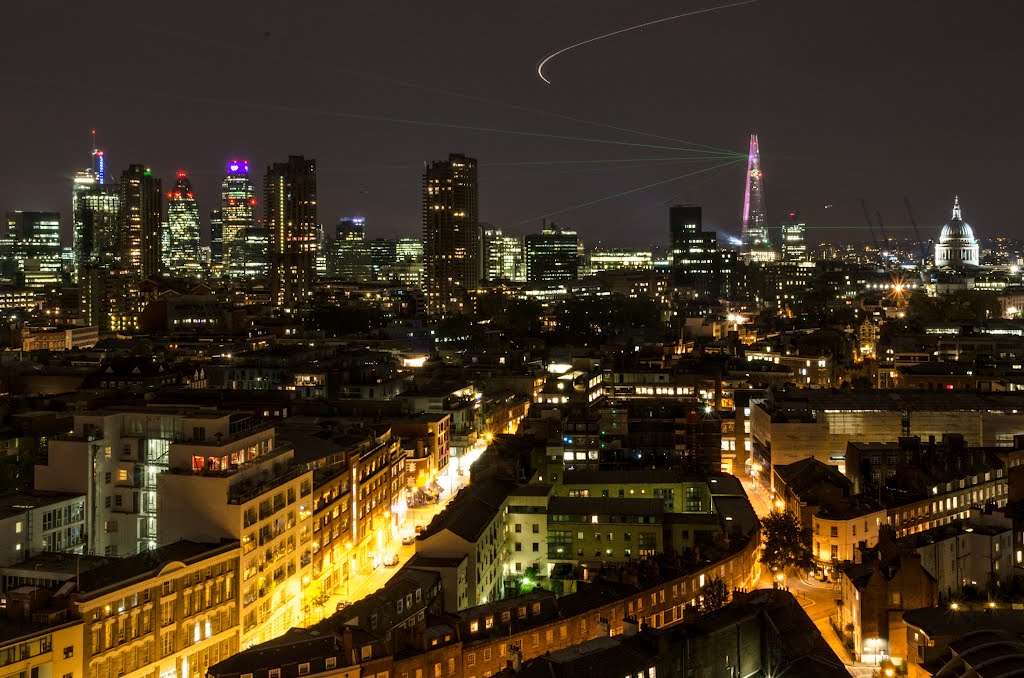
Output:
x,y
785,544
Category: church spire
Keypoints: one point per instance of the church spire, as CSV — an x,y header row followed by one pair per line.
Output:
x,y
956,208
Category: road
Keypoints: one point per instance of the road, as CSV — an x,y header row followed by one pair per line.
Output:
x,y
817,598
365,583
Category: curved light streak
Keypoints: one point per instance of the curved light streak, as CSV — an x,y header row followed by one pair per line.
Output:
x,y
540,66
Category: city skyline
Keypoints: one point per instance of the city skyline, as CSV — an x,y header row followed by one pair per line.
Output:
x,y
371,166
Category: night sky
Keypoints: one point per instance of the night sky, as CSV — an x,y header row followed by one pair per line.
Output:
x,y
875,99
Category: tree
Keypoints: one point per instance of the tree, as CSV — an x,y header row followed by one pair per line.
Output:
x,y
314,597
785,544
714,595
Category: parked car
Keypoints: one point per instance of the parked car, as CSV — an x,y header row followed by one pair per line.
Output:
x,y
420,529
342,605
391,560
408,540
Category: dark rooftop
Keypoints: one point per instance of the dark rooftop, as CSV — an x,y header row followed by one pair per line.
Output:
x,y
119,571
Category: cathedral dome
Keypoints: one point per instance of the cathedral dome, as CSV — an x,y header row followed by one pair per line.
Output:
x,y
957,245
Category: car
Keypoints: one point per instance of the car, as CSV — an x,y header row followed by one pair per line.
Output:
x,y
391,560
420,529
342,605
408,540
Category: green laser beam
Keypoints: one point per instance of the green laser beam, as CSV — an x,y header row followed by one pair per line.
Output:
x,y
627,192
277,57
511,163
281,108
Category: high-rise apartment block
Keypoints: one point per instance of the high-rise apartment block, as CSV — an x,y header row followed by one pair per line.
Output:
x,y
140,217
291,211
451,250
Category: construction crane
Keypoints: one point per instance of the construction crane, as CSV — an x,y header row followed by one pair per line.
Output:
x,y
917,233
881,229
867,218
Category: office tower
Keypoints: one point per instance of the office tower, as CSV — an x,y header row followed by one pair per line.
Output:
x,y
95,208
756,245
697,263
383,253
794,239
617,259
216,238
409,249
348,253
182,228
244,243
99,161
290,198
502,256
451,250
140,212
552,255
30,252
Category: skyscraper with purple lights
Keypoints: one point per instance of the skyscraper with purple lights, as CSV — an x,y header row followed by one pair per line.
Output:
x,y
244,251
755,242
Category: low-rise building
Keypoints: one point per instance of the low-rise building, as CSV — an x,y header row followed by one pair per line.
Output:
x,y
974,554
168,612
873,593
36,521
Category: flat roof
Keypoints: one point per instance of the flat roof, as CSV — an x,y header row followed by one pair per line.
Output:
x,y
16,503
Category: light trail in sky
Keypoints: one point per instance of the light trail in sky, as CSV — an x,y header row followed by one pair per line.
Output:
x,y
283,108
628,192
277,57
540,66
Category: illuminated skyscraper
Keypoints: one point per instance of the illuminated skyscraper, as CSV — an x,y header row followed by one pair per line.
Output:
x,y
95,210
140,212
291,208
697,263
244,244
349,256
182,229
755,242
30,252
451,233
503,256
794,239
552,255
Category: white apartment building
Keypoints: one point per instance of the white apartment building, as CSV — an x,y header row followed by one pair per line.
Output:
x,y
31,522
113,457
264,502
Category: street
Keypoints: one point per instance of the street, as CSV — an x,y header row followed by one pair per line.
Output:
x,y
817,598
366,582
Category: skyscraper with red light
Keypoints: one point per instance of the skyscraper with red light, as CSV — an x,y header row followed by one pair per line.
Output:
x,y
181,256
291,210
